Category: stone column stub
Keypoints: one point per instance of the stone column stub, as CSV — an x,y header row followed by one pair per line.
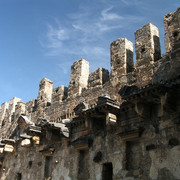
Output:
x,y
172,30
121,60
147,46
45,92
79,77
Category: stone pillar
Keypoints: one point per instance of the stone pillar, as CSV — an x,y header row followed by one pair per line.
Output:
x,y
45,93
31,106
172,30
12,107
98,78
79,77
3,111
148,51
20,108
8,115
59,94
12,104
121,59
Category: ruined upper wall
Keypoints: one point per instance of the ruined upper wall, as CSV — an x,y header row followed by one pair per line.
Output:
x,y
172,30
98,78
79,77
121,60
148,51
45,90
58,103
59,94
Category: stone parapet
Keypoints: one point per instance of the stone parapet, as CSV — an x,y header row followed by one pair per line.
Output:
x,y
79,77
58,103
45,92
172,30
121,57
98,78
124,127
59,94
147,52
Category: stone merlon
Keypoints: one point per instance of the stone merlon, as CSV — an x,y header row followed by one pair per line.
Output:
x,y
122,125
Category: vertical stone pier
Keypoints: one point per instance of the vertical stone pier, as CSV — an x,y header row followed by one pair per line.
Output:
x,y
79,77
172,30
3,111
148,51
20,109
121,60
98,78
45,93
59,94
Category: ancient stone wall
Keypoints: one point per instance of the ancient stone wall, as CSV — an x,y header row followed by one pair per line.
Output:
x,y
172,30
122,126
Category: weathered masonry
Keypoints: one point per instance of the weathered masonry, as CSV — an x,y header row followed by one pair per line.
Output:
x,y
122,125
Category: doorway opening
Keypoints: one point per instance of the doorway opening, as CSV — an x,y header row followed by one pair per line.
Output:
x,y
18,176
107,171
83,165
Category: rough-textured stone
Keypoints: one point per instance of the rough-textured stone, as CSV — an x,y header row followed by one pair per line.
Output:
x,y
172,30
79,77
98,78
59,94
122,127
147,52
121,60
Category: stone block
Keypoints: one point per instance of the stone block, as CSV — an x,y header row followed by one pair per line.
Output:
x,y
79,77
121,57
172,30
111,118
147,45
26,143
147,52
98,78
8,148
45,93
59,94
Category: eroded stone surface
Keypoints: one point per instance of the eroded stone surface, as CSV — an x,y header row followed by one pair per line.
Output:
x,y
122,127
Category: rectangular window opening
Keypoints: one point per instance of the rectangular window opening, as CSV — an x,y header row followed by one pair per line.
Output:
x,y
18,176
48,167
83,166
107,171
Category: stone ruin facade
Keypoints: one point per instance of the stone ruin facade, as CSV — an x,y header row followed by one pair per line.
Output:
x,y
122,125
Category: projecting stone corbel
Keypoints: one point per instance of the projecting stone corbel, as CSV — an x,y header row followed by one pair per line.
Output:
x,y
26,143
36,140
9,145
8,148
110,118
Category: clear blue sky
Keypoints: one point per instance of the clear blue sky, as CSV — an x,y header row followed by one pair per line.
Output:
x,y
42,38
